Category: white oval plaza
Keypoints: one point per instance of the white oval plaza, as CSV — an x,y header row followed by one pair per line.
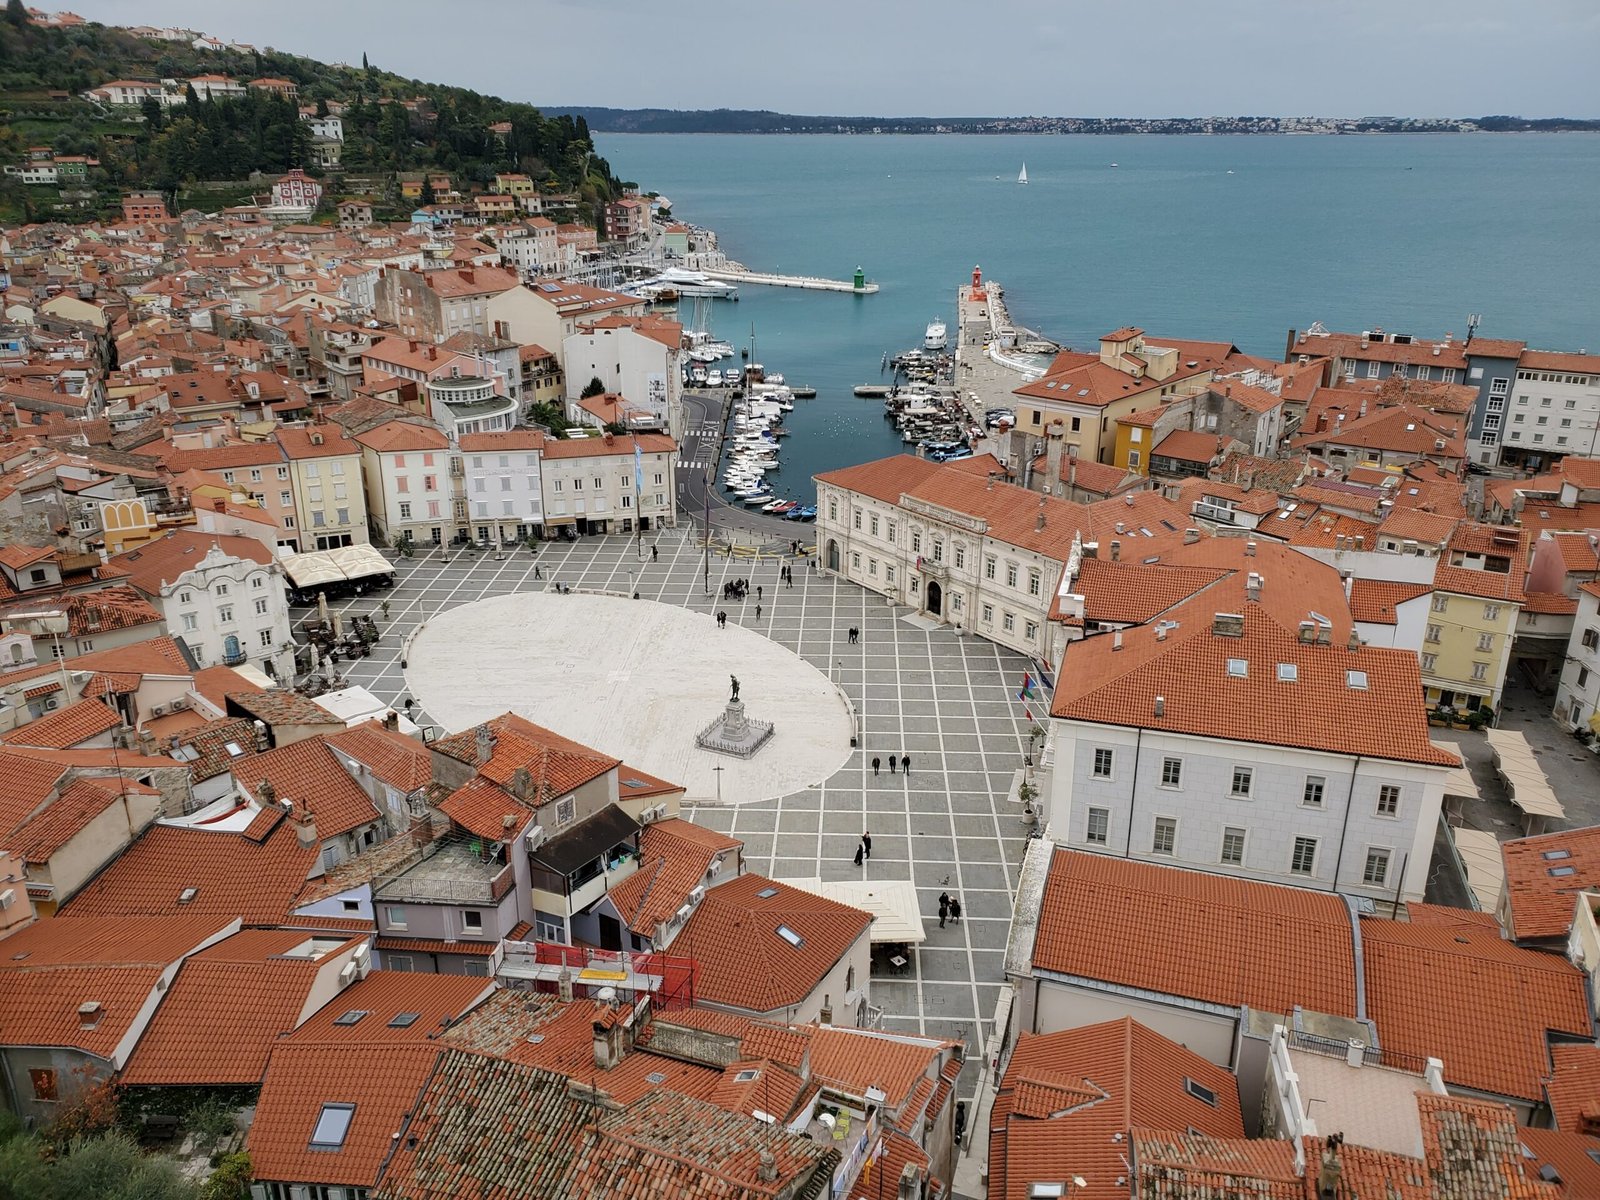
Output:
x,y
634,679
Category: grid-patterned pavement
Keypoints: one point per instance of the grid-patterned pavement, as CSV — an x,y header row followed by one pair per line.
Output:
x,y
949,702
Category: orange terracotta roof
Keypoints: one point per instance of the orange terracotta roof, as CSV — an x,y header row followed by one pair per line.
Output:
x,y
856,1059
1173,1164
399,437
70,726
1240,942
392,757
1469,997
1556,360
1573,1086
623,444
45,833
225,1009
745,963
674,857
53,967
168,558
1068,1100
308,773
1374,601
254,875
1324,707
1544,875
1574,1157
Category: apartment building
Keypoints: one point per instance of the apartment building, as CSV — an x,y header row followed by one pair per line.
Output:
x,y
325,479
411,479
432,305
610,484
504,484
1477,596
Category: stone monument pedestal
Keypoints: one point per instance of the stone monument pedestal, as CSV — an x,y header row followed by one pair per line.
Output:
x,y
734,733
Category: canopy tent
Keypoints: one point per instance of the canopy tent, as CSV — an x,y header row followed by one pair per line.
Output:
x,y
892,903
1486,871
1459,787
317,570
1525,780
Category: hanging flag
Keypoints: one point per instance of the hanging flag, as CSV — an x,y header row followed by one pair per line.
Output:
x,y
1027,687
1026,714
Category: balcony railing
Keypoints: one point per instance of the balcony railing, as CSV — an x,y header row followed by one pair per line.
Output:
x,y
234,658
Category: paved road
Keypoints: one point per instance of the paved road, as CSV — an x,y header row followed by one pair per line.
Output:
x,y
698,461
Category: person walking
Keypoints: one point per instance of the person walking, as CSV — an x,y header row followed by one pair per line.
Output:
x,y
655,554
537,574
875,766
866,841
758,612
905,765
955,907
891,764
944,908
861,851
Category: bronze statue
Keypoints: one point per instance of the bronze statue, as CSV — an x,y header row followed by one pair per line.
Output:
x,y
735,680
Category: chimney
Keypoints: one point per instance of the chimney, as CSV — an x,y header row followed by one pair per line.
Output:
x,y
1161,631
607,1035
305,826
826,1016
89,1014
1308,632
1330,1174
391,721
485,744
564,985
1052,451
220,503
1116,640
1038,523
468,275
1121,528
1355,641
1250,549
767,1172
147,743
1116,549
1227,625
910,1183
266,793
1161,706
521,784
1252,587
1191,536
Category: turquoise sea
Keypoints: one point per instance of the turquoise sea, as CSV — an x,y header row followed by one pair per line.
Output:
x,y
1235,238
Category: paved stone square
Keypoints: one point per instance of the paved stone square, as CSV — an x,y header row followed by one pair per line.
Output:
x,y
949,702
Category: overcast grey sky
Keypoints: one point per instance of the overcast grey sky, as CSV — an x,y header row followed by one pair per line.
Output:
x,y
952,57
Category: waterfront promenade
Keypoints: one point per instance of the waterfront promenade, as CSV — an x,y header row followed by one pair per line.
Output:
x,y
984,380
811,283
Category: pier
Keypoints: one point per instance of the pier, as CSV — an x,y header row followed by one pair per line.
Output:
x,y
860,286
985,373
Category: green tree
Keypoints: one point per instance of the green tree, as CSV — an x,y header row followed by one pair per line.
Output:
x,y
150,108
231,1179
364,65
594,388
16,14
428,194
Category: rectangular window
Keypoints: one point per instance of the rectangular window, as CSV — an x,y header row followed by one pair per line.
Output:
x,y
333,1125
405,511
1480,671
1376,871
566,809
961,557
872,566
888,574
1102,763
1491,612
1099,826
1243,777
190,622
1372,370
266,637
1441,602
43,1080
1172,772
1434,633
874,525
1312,796
225,614
396,917
1166,835
1031,631
1033,583
471,922
1304,859
1388,800
1591,638
988,568
857,520
1232,847
988,614
938,550
890,531
1011,575
1486,641
916,542
1429,661
1009,623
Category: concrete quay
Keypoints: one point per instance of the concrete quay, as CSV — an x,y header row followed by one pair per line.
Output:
x,y
808,282
984,378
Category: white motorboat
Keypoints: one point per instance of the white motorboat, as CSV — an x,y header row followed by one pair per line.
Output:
x,y
936,336
696,283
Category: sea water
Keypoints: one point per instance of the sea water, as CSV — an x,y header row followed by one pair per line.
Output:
x,y
1227,238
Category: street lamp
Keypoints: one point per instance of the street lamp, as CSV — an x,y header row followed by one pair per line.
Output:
x,y
719,770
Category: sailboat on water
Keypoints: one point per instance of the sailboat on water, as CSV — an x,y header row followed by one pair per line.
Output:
x,y
1022,177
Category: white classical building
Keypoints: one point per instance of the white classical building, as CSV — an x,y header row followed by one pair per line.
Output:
x,y
953,543
1578,692
224,597
504,484
1554,409
1248,732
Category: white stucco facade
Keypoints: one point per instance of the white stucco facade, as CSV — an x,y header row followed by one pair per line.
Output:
x,y
230,610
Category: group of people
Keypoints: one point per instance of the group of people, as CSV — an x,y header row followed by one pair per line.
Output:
x,y
905,766
786,574
864,848
737,589
855,635
949,908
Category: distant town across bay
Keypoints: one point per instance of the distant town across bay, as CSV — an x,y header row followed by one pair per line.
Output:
x,y
731,120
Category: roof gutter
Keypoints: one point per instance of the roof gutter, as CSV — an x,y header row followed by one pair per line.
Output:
x,y
1352,906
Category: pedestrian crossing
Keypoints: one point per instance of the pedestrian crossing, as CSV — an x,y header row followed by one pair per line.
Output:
x,y
694,464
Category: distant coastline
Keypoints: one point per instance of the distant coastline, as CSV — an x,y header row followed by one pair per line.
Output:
x,y
728,120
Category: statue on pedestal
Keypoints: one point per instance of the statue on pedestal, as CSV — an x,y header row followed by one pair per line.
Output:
x,y
734,679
